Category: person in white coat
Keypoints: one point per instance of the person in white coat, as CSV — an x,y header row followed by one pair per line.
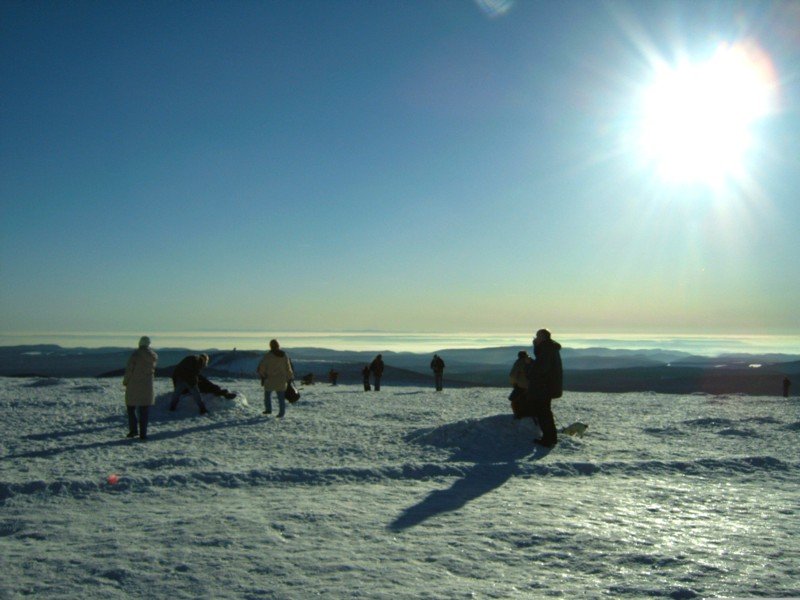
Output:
x,y
275,370
138,382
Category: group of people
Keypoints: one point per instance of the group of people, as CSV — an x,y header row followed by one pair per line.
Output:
x,y
374,370
138,381
536,382
275,371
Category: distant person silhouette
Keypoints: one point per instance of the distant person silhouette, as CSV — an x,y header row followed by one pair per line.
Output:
x,y
437,364
275,370
333,376
376,368
545,380
786,385
186,377
138,382
365,376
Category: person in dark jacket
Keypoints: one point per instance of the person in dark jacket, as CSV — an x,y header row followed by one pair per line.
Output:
x,y
545,380
206,386
376,368
520,404
365,376
333,376
437,365
186,377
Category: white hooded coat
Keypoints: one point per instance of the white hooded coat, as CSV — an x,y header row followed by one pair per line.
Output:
x,y
138,380
275,371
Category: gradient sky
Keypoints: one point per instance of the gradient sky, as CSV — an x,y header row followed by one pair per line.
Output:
x,y
381,165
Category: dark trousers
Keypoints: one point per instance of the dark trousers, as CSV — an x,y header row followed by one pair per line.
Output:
x,y
377,383
138,426
183,387
544,415
438,377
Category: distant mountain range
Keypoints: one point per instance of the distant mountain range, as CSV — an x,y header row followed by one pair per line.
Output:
x,y
590,369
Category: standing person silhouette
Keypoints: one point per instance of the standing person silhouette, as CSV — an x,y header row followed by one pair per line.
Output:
x,y
275,370
545,381
376,368
138,382
437,365
365,377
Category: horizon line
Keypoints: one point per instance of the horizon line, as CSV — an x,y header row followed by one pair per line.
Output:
x,y
413,342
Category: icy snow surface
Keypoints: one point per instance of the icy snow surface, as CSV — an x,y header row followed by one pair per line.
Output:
x,y
403,493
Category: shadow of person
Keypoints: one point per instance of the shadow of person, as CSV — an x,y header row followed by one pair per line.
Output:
x,y
476,482
159,435
85,428
495,444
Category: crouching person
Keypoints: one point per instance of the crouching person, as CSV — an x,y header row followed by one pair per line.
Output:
x,y
185,378
520,404
138,382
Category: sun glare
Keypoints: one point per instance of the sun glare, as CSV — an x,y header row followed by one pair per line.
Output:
x,y
697,118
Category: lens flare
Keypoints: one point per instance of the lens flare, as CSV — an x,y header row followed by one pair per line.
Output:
x,y
697,118
495,8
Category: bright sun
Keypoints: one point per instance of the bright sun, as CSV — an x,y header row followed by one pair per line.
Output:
x,y
697,118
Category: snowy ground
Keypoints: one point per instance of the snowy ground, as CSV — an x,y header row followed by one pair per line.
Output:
x,y
404,493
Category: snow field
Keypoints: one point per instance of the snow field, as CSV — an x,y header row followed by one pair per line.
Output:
x,y
404,493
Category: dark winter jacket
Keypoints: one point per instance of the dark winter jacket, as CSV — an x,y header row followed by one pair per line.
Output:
x,y
545,374
188,370
517,375
376,366
437,364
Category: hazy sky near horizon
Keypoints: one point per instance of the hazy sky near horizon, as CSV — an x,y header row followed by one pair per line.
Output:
x,y
385,165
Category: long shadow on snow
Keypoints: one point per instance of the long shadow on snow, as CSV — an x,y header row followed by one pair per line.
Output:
x,y
113,423
159,413
494,444
162,435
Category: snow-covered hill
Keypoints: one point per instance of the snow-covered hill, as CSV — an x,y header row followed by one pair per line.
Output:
x,y
405,493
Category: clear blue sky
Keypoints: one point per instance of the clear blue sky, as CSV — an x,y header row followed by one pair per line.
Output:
x,y
382,165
